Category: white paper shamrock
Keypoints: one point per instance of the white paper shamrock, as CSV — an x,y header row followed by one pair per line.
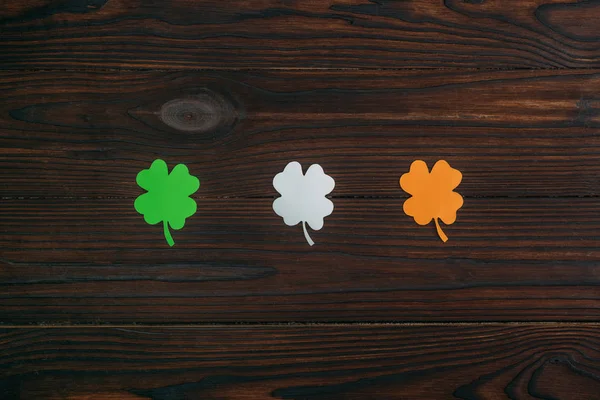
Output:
x,y
303,196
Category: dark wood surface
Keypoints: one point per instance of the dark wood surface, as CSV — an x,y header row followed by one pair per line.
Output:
x,y
511,133
192,34
93,301
470,362
98,261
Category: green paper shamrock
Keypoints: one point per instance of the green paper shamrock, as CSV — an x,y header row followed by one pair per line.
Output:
x,y
168,198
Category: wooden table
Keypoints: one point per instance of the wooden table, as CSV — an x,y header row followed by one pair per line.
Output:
x,y
94,304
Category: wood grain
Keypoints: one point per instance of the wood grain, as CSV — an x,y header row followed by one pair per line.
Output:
x,y
190,34
87,134
94,90
312,362
88,261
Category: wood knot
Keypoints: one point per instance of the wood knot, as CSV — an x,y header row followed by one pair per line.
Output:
x,y
205,112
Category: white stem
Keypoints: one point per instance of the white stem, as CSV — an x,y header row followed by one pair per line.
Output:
x,y
308,239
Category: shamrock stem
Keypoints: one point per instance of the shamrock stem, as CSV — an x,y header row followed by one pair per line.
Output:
x,y
308,239
168,234
440,232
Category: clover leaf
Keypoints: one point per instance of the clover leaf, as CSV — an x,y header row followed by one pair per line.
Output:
x,y
433,195
303,196
167,199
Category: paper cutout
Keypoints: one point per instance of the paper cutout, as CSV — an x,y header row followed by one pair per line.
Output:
x,y
432,194
167,197
303,196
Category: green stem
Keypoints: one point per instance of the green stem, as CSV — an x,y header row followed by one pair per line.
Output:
x,y
168,234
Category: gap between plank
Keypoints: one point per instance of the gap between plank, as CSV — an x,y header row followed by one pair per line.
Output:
x,y
593,196
307,69
300,324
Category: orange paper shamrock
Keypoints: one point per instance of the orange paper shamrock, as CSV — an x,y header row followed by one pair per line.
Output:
x,y
432,194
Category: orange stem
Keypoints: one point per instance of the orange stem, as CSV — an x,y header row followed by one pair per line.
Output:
x,y
440,232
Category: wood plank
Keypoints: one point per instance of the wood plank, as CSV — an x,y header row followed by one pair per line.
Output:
x,y
86,261
519,133
317,362
313,33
